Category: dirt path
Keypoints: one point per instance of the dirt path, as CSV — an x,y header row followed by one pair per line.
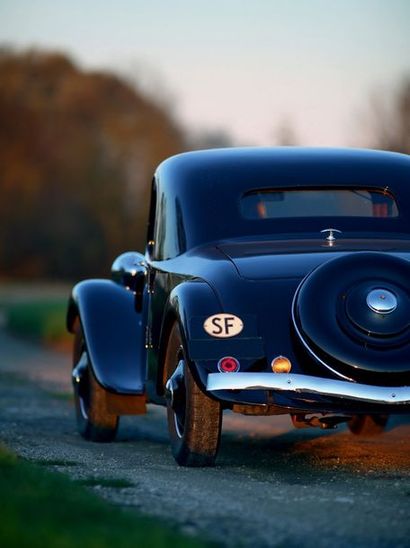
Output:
x,y
273,486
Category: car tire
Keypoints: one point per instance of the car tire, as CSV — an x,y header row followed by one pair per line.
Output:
x,y
195,427
368,425
94,423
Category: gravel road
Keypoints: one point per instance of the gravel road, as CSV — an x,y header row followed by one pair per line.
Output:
x,y
273,486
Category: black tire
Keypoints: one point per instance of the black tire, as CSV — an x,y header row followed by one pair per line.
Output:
x,y
94,423
195,425
368,425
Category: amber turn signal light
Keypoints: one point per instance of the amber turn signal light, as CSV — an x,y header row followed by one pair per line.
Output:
x,y
281,364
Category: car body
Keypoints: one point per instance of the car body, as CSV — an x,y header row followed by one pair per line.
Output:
x,y
275,280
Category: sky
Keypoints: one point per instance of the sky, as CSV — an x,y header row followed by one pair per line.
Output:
x,y
246,67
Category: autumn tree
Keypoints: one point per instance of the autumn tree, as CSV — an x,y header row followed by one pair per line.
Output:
x,y
77,154
387,119
210,138
285,134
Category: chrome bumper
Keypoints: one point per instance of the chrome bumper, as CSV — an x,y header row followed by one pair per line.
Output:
x,y
304,385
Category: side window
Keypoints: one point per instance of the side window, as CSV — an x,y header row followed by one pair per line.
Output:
x,y
152,222
159,229
166,232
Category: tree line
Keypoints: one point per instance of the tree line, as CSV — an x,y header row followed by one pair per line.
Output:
x,y
77,154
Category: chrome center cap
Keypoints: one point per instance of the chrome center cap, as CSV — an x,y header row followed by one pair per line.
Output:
x,y
381,301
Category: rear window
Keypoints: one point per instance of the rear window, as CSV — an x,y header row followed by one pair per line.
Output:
x,y
274,204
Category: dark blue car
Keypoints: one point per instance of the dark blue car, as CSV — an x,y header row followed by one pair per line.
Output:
x,y
274,281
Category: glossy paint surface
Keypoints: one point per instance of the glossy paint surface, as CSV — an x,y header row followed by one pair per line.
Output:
x,y
113,333
204,258
199,193
253,268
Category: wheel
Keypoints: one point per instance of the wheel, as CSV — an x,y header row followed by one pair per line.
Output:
x,y
367,425
194,419
93,421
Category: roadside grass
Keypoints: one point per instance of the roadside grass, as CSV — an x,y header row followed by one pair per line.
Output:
x,y
41,509
42,320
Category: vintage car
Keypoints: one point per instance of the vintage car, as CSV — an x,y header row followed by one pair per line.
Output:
x,y
273,281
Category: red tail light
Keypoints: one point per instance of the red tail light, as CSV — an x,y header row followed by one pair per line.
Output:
x,y
228,365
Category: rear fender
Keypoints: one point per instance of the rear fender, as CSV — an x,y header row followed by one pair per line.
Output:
x,y
185,301
113,332
190,303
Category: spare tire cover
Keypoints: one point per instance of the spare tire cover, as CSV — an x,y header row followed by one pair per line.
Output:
x,y
353,312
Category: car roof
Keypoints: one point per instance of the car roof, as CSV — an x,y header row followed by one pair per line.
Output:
x,y
268,161
203,188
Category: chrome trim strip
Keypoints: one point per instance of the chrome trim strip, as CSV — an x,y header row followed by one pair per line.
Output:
x,y
305,384
305,344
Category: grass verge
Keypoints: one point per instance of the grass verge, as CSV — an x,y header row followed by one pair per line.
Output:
x,y
43,509
40,320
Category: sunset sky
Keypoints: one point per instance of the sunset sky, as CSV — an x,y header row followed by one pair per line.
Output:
x,y
245,67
